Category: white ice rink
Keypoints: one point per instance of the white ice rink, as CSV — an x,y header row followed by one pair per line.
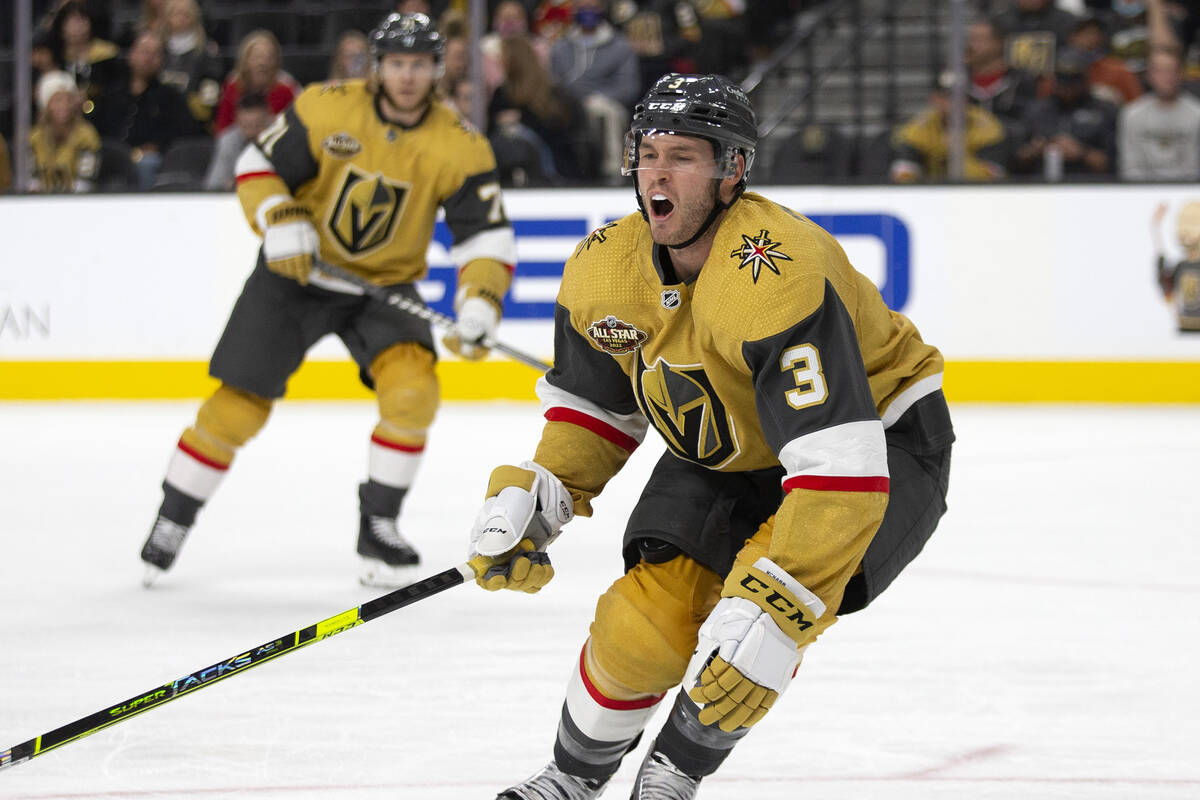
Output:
x,y
1044,645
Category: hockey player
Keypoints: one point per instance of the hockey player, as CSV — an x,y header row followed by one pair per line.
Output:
x,y
793,403
354,173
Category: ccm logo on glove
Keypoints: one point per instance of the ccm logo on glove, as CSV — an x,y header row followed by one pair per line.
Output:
x,y
775,599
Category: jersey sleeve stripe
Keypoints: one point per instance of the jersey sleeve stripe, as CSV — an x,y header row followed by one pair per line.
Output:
x,y
601,429
253,161
627,430
853,454
905,400
498,244
203,459
248,176
832,483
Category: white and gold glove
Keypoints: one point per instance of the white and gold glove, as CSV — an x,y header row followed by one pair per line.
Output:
x,y
525,509
290,241
474,328
749,647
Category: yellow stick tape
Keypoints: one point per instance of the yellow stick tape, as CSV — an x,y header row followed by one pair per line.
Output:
x,y
347,619
965,381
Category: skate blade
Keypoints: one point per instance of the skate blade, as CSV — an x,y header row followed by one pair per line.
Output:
x,y
380,575
151,575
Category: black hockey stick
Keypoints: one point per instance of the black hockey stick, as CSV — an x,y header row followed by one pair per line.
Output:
x,y
420,310
239,663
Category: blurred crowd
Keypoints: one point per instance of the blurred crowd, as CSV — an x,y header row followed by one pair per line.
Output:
x,y
164,94
167,98
1105,90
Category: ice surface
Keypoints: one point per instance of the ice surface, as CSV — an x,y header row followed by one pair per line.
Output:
x,y
1043,646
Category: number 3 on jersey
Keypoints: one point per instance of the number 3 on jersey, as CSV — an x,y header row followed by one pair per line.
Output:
x,y
804,363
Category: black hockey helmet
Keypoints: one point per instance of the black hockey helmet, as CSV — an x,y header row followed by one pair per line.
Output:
x,y
709,106
406,33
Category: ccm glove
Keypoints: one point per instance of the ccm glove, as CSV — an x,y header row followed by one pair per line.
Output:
x,y
525,510
290,241
749,647
473,329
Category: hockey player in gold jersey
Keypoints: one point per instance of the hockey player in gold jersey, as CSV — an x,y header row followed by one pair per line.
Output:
x,y
808,447
352,173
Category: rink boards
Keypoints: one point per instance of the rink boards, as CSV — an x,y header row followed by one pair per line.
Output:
x,y
1034,294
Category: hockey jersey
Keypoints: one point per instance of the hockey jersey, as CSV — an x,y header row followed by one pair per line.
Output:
x,y
374,187
777,353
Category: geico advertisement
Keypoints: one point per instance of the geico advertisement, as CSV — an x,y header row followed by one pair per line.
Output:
x,y
1005,273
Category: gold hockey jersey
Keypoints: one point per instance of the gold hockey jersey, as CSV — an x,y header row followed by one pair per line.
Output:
x,y
779,353
374,187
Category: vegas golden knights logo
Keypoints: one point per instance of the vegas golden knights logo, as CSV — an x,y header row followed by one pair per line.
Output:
x,y
680,402
367,210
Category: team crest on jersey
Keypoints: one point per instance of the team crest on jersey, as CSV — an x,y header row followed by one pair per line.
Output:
x,y
367,209
341,145
758,252
598,236
681,403
615,336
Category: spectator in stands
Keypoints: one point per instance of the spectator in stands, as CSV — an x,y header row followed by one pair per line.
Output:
x,y
192,63
1159,135
1003,90
1071,133
1138,27
461,96
529,105
598,66
152,18
252,118
510,18
922,145
666,35
726,39
552,19
1108,77
143,112
65,148
93,63
350,57
1033,32
6,178
456,61
259,69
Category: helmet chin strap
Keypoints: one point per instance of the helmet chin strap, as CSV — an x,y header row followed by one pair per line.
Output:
x,y
717,208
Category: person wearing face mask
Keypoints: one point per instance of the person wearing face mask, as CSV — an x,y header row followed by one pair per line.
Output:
x,y
598,66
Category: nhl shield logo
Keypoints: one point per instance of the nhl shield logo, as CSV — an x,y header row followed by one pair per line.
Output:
x,y
671,299
615,336
365,214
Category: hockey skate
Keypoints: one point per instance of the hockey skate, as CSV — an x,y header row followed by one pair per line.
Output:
x,y
388,560
659,779
551,783
161,548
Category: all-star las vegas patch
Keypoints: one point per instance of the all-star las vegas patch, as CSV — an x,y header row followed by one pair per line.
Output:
x,y
616,337
758,252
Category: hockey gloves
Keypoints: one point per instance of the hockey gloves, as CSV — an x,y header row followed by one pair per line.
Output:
x,y
749,647
525,509
473,330
290,241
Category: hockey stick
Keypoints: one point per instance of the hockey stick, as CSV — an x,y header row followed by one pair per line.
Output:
x,y
239,663
420,310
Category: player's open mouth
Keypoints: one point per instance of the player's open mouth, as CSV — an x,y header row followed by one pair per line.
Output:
x,y
660,206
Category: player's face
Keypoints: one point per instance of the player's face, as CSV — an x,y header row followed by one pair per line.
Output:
x,y
407,79
675,176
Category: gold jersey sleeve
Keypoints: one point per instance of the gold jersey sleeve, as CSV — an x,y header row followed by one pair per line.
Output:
x,y
374,187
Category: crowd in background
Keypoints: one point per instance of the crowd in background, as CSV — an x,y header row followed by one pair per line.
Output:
x,y
1059,95
168,98
155,103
